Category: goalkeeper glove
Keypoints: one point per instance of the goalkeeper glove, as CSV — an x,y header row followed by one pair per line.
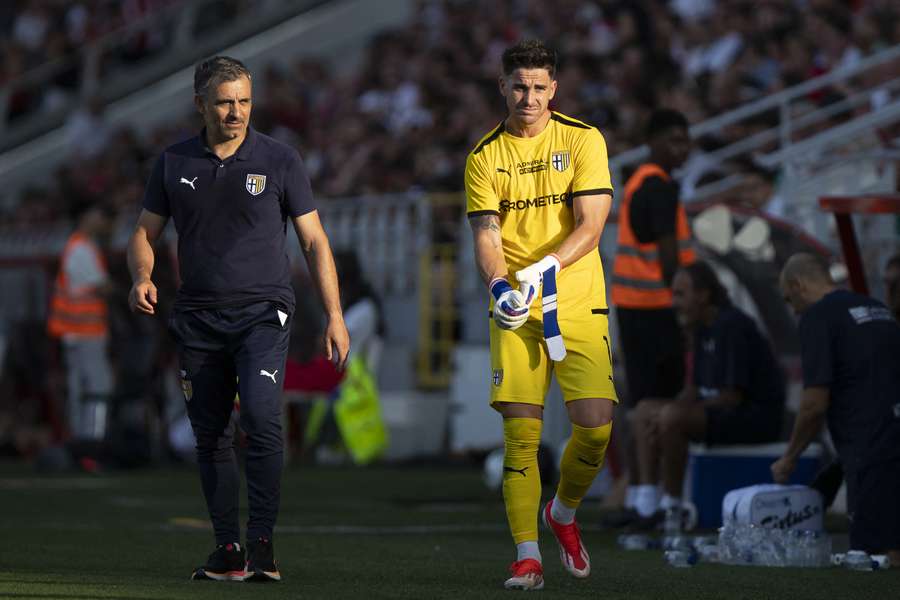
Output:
x,y
510,308
532,277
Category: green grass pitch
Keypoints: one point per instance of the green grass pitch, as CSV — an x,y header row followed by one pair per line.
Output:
x,y
343,533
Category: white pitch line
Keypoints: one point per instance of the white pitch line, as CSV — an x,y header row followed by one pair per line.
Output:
x,y
375,529
63,483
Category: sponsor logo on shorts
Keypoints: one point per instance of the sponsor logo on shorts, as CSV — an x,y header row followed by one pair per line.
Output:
x,y
497,377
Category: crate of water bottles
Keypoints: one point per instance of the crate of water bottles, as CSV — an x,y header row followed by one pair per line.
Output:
x,y
751,544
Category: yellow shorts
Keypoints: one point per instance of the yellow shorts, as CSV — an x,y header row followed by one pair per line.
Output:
x,y
521,368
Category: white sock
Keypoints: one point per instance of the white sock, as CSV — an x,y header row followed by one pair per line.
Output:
x,y
630,496
528,550
561,513
668,502
646,499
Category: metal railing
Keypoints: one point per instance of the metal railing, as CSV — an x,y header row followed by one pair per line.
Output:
x,y
389,233
794,117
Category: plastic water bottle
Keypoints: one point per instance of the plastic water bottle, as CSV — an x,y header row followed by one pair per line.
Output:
x,y
637,541
677,542
743,544
857,561
681,558
708,553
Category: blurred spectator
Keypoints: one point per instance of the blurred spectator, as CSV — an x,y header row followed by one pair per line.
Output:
x,y
403,121
79,317
87,131
339,402
850,348
362,308
736,395
654,239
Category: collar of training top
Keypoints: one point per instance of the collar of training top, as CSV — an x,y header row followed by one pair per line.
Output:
x,y
244,151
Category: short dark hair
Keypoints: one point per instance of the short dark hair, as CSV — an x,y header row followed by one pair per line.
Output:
x,y
893,261
529,54
704,278
215,70
663,119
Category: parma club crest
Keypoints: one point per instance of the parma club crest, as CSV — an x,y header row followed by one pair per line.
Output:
x,y
255,184
186,387
560,160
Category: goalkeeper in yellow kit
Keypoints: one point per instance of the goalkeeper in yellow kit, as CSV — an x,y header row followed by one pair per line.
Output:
x,y
538,193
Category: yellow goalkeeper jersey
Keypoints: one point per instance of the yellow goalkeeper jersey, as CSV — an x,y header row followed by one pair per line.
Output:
x,y
530,183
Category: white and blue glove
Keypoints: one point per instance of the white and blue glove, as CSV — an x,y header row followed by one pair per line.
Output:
x,y
510,307
541,276
531,278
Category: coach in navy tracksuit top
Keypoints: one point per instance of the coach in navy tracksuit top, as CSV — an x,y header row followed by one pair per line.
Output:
x,y
231,192
850,346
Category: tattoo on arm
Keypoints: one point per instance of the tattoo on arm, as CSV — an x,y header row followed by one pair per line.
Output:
x,y
490,222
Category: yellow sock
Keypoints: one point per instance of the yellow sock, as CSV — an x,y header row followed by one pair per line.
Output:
x,y
581,462
521,479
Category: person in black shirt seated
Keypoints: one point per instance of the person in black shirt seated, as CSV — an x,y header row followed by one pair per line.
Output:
x,y
735,396
850,347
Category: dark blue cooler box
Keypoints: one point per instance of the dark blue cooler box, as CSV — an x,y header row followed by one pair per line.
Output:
x,y
713,472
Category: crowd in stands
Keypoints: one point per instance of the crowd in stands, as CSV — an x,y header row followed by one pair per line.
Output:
x,y
405,118
42,44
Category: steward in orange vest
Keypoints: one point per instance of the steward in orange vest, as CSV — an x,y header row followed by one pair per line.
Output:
x,y
74,310
643,271
78,315
80,310
654,240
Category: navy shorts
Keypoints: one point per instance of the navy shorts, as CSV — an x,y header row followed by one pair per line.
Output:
x,y
873,495
743,424
653,344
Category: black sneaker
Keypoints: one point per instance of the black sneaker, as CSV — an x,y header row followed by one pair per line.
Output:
x,y
620,518
226,563
261,565
648,524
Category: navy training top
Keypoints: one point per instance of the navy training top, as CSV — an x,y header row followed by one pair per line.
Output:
x,y
733,354
231,217
850,344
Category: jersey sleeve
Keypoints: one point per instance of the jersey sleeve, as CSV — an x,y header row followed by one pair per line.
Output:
x,y
480,196
298,196
591,165
815,351
155,198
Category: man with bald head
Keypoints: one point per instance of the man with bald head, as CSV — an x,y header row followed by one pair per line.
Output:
x,y
850,346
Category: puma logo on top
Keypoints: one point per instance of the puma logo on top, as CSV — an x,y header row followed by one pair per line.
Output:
x,y
270,375
189,182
